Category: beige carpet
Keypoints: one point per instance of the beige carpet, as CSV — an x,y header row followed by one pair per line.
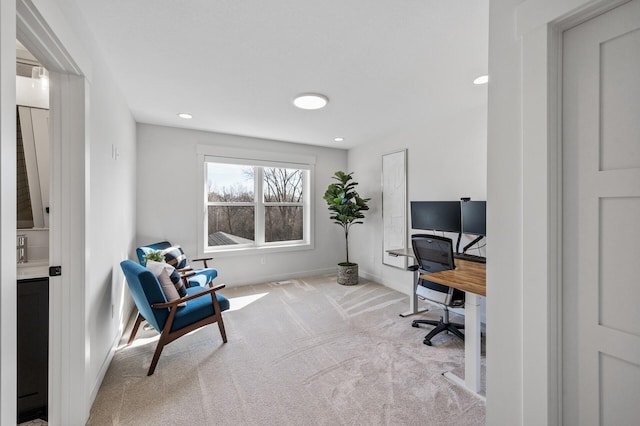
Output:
x,y
300,352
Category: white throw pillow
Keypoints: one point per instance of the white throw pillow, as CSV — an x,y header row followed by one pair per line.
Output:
x,y
163,272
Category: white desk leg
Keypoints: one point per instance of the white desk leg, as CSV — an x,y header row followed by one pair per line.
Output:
x,y
472,346
413,298
472,342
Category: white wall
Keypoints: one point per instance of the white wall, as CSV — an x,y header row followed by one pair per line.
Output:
x,y
110,199
169,196
111,218
446,147
504,220
446,160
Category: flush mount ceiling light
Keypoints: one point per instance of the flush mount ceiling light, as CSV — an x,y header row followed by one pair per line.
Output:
x,y
311,101
338,139
185,115
483,79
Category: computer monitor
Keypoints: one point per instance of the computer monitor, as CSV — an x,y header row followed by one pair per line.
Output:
x,y
436,216
474,217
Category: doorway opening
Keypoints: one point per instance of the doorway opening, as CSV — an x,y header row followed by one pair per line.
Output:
x,y
68,112
32,239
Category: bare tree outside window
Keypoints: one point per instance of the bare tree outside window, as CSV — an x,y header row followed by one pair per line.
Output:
x,y
232,204
283,204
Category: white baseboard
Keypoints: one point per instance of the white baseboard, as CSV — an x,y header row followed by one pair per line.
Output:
x,y
107,361
103,371
402,287
260,279
371,277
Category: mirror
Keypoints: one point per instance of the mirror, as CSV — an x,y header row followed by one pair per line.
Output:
x,y
32,167
32,141
394,207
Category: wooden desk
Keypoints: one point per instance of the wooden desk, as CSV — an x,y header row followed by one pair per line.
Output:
x,y
471,277
468,276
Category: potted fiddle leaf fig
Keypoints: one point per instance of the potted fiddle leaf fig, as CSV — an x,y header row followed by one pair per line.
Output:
x,y
346,207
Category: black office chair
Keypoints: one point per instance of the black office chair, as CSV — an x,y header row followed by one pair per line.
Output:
x,y
434,254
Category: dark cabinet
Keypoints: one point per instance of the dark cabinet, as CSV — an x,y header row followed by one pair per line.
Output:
x,y
33,348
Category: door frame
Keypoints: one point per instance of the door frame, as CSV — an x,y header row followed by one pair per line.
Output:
x,y
8,270
69,89
540,25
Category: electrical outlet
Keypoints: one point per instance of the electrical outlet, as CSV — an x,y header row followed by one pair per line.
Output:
x,y
115,152
263,260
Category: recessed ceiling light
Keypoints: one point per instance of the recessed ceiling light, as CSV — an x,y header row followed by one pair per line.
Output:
x,y
311,101
338,139
185,115
483,79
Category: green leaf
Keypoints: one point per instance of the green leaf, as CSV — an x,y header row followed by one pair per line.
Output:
x,y
344,202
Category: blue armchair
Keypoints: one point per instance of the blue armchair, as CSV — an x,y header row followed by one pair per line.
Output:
x,y
204,306
200,277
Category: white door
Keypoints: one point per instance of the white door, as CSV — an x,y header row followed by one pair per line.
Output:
x,y
601,220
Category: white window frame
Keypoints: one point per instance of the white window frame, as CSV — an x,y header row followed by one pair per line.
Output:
x,y
216,154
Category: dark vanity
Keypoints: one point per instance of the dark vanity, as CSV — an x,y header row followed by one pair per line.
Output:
x,y
33,348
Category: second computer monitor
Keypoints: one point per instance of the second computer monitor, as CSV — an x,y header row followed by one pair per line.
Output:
x,y
474,217
436,215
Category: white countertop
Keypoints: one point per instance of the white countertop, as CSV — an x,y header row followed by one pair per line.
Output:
x,y
35,269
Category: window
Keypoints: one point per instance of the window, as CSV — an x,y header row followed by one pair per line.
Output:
x,y
255,204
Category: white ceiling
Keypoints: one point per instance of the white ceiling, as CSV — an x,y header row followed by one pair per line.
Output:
x,y
236,65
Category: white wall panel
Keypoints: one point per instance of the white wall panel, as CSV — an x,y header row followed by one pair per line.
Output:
x,y
618,377
619,234
618,76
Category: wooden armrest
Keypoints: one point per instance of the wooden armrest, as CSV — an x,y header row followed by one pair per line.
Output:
x,y
204,260
174,303
185,269
185,276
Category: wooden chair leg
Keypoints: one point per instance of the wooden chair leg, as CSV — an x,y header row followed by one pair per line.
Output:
x,y
139,320
156,356
221,327
216,308
164,339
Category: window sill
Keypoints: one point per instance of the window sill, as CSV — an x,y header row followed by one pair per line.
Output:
x,y
243,251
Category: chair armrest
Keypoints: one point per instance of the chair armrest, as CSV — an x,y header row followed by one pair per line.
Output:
x,y
203,260
185,269
185,274
174,303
